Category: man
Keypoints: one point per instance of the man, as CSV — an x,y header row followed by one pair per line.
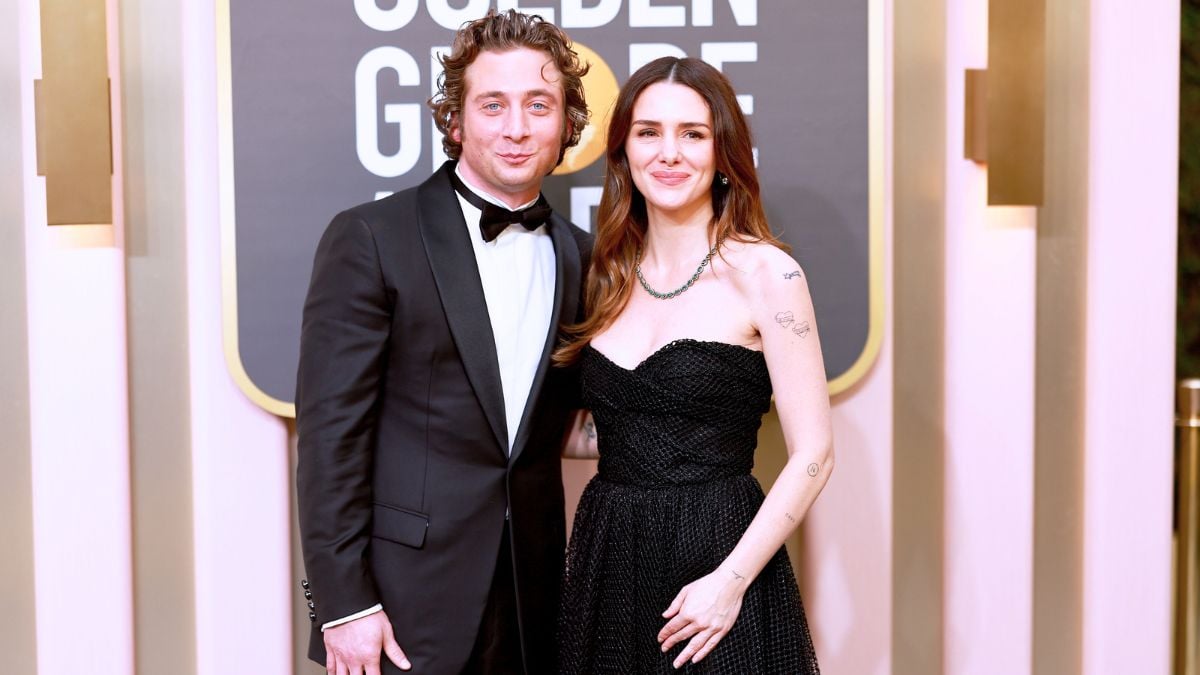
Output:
x,y
429,418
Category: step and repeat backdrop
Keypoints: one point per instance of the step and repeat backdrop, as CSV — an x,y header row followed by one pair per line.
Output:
x,y
323,107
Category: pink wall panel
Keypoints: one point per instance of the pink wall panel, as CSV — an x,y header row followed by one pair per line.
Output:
x,y
1130,329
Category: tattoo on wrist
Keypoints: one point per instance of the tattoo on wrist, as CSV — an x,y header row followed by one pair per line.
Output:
x,y
813,469
590,429
737,576
792,275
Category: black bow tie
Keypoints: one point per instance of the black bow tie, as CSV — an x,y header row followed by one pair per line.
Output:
x,y
495,219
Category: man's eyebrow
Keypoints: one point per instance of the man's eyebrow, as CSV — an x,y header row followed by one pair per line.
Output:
x,y
496,93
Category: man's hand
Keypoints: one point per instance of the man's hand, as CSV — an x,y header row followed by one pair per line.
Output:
x,y
354,648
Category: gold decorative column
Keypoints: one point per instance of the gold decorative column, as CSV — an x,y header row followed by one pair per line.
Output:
x,y
73,111
1187,533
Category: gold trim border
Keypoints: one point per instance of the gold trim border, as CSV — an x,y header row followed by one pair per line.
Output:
x,y
876,177
229,315
876,173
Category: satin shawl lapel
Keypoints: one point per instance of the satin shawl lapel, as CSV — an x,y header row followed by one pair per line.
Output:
x,y
457,276
566,302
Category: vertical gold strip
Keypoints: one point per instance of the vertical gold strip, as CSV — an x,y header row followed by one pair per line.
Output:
x,y
1016,101
18,641
975,146
156,288
1186,643
1059,380
919,134
74,131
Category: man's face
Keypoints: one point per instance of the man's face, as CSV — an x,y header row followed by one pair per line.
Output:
x,y
511,125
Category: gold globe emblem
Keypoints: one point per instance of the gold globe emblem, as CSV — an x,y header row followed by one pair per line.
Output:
x,y
600,88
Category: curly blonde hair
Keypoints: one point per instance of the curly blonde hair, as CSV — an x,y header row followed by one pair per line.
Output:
x,y
504,31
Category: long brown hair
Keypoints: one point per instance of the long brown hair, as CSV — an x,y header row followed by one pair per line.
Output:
x,y
621,219
500,32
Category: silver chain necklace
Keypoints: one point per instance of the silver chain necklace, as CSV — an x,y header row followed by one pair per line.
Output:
x,y
667,296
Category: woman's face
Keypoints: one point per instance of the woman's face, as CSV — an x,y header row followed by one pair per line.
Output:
x,y
670,149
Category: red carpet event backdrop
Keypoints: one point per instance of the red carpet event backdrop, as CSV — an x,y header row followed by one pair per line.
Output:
x,y
324,107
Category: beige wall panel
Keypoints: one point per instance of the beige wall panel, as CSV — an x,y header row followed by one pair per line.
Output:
x,y
919,170
156,267
17,640
1059,380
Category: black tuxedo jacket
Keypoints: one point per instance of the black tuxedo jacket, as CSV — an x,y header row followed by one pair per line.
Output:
x,y
404,478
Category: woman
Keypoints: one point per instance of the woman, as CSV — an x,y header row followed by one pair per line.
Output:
x,y
695,316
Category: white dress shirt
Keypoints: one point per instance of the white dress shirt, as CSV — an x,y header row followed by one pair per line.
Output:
x,y
517,269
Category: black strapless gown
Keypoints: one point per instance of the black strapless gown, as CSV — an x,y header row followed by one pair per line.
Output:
x,y
672,498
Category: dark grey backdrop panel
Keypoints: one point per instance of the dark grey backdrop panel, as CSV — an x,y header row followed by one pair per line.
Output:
x,y
295,161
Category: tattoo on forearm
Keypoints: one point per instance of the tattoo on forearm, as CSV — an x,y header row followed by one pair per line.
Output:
x,y
790,517
792,275
813,469
590,429
788,320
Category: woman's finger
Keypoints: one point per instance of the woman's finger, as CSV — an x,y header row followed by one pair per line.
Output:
x,y
675,604
708,646
679,635
692,647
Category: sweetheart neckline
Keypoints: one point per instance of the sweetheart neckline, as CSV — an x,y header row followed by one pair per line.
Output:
x,y
669,345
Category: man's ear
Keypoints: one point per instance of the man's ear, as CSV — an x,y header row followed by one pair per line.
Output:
x,y
455,128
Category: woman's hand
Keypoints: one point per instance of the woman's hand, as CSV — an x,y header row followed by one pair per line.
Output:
x,y
704,611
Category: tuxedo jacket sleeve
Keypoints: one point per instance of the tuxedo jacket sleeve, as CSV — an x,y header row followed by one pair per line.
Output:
x,y
344,339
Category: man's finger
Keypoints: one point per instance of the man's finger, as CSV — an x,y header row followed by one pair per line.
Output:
x,y
393,651
372,668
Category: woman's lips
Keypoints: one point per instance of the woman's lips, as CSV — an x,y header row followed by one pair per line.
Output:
x,y
669,177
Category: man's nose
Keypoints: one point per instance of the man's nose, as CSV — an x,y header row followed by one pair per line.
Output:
x,y
516,126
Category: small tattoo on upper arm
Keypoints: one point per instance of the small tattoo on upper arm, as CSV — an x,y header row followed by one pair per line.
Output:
x,y
590,429
788,320
813,469
792,275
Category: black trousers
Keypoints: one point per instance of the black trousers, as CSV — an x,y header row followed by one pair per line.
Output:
x,y
497,649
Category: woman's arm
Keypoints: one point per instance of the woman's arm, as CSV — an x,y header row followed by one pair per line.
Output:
x,y
782,309
579,442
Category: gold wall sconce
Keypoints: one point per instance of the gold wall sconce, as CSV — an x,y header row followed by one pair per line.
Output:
x,y
1005,105
73,104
